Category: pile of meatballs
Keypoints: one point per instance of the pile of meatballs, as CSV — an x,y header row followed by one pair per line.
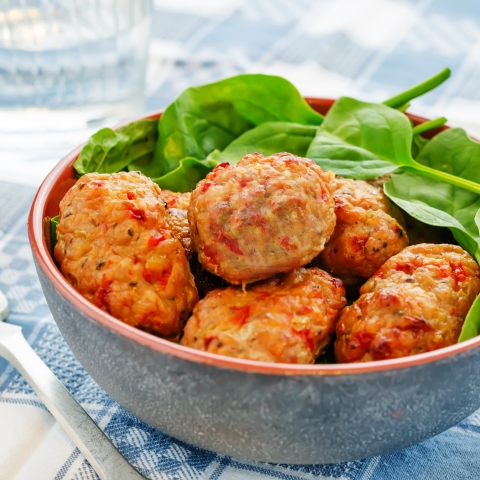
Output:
x,y
273,243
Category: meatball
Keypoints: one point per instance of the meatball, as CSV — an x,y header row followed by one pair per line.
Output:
x,y
287,319
448,271
262,216
116,248
394,322
415,303
177,217
365,236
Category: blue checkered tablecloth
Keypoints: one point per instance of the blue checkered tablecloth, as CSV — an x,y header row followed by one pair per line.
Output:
x,y
370,49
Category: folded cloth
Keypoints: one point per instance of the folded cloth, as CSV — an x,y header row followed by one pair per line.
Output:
x,y
34,447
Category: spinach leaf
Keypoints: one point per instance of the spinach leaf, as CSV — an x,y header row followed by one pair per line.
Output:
x,y
53,229
364,170
210,117
360,131
439,204
109,151
471,325
418,143
267,139
355,130
453,151
186,176
50,230
362,140
146,165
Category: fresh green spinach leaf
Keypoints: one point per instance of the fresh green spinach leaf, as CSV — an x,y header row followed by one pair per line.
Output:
x,y
186,176
367,137
439,204
50,226
267,139
210,117
109,151
359,131
53,229
146,165
471,325
355,130
418,143
453,151
364,170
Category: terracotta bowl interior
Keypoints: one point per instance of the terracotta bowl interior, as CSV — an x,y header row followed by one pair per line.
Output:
x,y
46,203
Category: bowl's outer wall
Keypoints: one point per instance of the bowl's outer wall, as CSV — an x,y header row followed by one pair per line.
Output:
x,y
313,418
275,418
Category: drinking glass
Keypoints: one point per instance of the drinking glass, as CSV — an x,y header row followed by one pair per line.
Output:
x,y
67,64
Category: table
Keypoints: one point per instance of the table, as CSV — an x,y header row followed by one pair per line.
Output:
x,y
370,49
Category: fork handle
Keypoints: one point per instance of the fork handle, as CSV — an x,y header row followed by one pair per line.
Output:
x,y
87,436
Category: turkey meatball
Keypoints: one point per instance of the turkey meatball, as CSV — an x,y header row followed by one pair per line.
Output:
x,y
415,303
365,236
177,209
262,216
287,319
448,271
116,248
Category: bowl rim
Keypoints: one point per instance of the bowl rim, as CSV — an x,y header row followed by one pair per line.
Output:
x,y
50,270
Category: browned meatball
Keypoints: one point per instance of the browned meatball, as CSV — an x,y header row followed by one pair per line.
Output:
x,y
394,322
287,319
448,271
116,248
177,217
365,236
261,216
415,303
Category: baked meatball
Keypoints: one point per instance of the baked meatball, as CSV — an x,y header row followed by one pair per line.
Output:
x,y
415,303
262,216
365,236
394,322
177,216
448,271
287,319
116,248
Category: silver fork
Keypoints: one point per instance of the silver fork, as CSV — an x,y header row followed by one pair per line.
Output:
x,y
90,440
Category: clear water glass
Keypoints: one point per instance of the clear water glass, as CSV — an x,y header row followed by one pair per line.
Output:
x,y
71,63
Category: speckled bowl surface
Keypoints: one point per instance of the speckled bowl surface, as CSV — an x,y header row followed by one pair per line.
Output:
x,y
260,411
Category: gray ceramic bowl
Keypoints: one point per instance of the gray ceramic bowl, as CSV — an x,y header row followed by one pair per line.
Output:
x,y
260,411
